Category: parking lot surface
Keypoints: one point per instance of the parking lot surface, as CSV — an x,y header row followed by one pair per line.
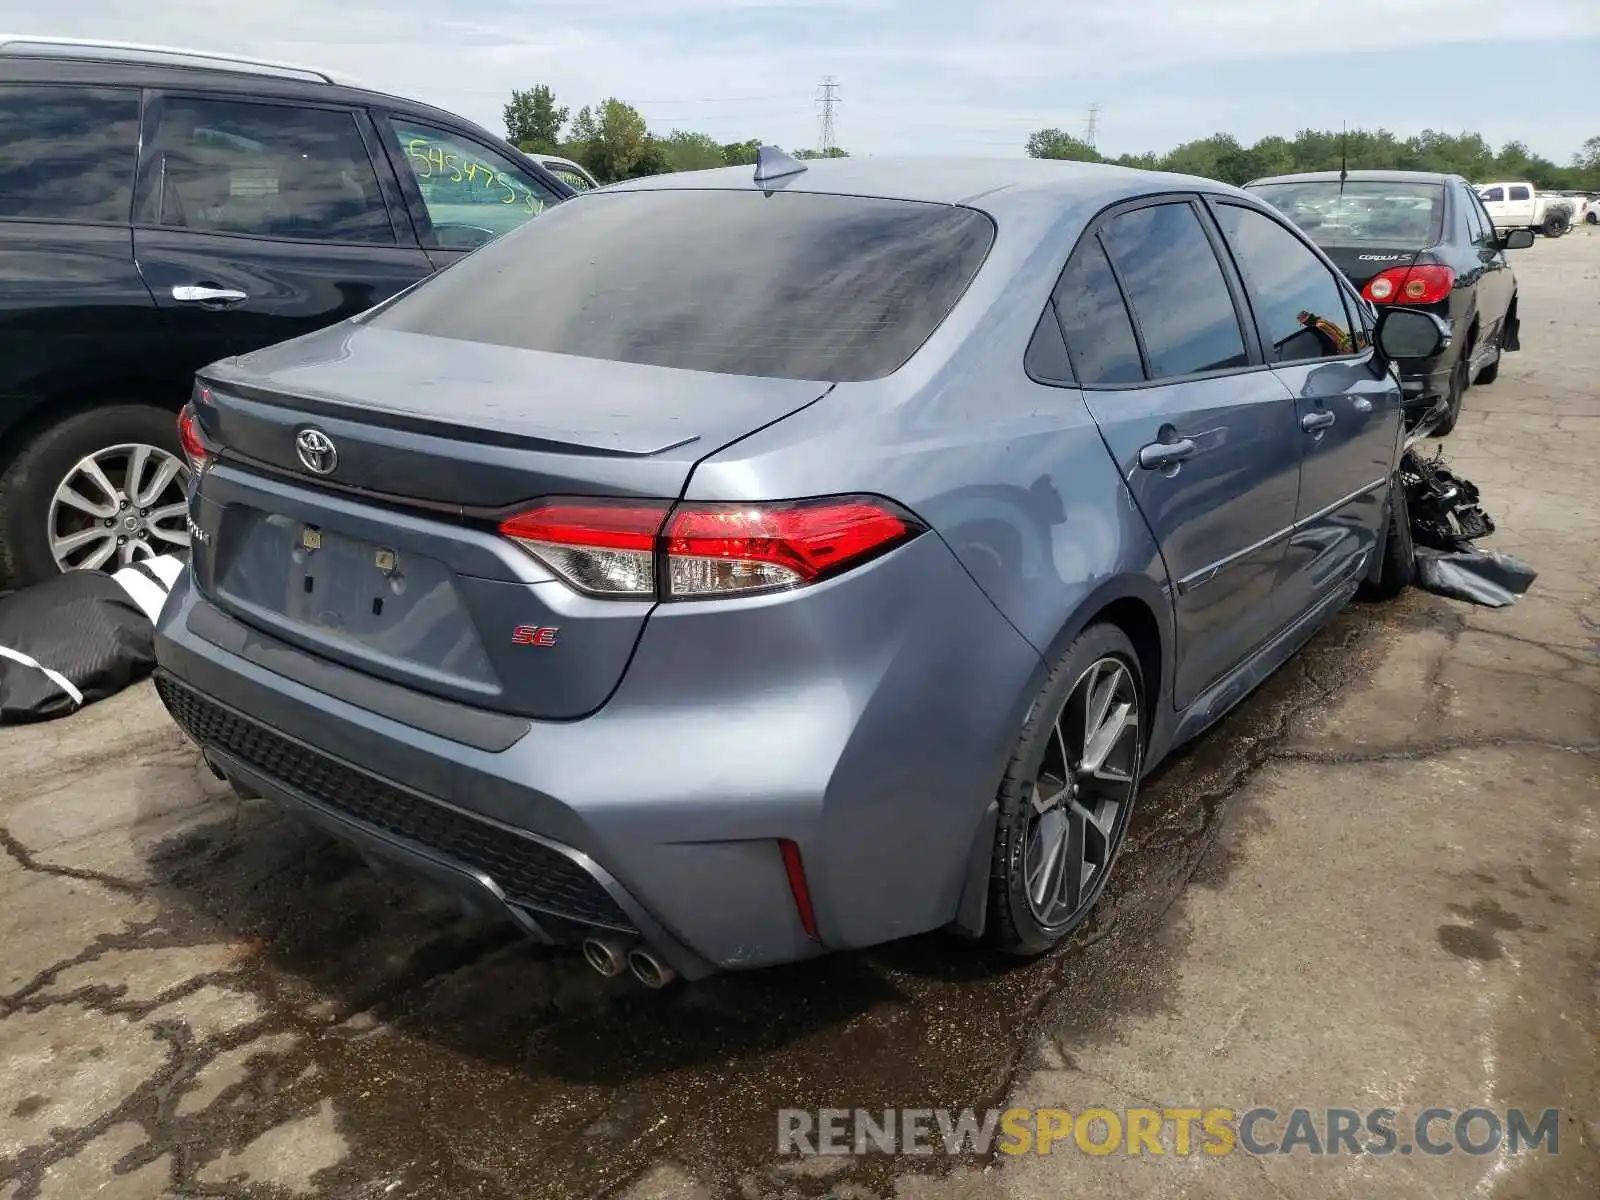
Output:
x,y
1376,884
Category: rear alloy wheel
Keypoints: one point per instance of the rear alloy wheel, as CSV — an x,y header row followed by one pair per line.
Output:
x,y
117,506
100,489
1066,801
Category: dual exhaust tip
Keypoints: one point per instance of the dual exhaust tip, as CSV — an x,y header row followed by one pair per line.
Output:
x,y
610,956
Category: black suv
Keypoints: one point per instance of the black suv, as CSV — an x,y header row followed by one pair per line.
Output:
x,y
162,209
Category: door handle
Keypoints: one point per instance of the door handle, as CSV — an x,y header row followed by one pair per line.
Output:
x,y
1316,422
1157,456
200,293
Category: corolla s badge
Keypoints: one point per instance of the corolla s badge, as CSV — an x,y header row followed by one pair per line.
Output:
x,y
317,452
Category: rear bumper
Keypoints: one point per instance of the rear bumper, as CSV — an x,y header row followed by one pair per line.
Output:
x,y
867,720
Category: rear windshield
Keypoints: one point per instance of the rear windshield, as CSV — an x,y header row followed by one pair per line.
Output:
x,y
1363,213
792,286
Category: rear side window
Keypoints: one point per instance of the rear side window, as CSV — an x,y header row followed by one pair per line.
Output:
x,y
791,285
67,153
1520,193
1095,320
1179,295
1299,303
268,170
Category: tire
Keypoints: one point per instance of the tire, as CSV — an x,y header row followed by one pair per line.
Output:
x,y
1490,373
29,485
1554,225
1458,388
1086,812
1592,217
1399,566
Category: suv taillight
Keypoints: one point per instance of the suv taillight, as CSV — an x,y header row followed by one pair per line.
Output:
x,y
625,549
195,447
1426,284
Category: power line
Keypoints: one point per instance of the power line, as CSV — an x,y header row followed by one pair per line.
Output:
x,y
827,97
1092,125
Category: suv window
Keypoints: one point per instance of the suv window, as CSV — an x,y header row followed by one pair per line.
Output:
x,y
1095,321
1520,193
1299,303
1176,288
271,170
67,153
791,285
472,193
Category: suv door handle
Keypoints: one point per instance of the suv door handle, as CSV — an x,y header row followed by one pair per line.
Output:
x,y
1316,422
1157,456
200,293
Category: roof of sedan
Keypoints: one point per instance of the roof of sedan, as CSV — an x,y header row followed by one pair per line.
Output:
x,y
1357,177
937,180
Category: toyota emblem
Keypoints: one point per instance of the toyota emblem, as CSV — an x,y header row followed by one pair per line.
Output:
x,y
317,452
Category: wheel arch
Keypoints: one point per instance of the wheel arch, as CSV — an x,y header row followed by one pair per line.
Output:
x,y
53,408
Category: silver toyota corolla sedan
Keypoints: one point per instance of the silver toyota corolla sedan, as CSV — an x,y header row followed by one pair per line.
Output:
x,y
719,571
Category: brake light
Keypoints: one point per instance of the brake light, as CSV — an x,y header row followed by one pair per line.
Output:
x,y
195,447
642,549
1424,284
602,547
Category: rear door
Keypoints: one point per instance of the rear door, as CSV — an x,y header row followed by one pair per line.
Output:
x,y
1205,437
257,222
1495,283
462,192
1521,206
1347,403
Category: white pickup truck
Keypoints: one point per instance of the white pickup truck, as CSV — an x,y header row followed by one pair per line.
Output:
x,y
1519,205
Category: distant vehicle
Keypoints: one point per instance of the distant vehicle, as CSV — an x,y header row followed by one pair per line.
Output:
x,y
573,174
1520,205
1423,241
722,570
162,208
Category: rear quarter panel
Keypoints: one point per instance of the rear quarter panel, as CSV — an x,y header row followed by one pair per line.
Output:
x,y
77,321
1010,473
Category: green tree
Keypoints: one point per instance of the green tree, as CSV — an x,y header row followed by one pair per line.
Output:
x,y
807,155
741,154
692,151
615,143
533,122
1054,143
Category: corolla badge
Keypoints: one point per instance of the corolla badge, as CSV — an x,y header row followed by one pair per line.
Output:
x,y
317,452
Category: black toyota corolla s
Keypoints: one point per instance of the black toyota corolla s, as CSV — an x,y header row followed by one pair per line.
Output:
x,y
1421,240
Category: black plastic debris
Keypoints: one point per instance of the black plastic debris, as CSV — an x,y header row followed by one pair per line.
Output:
x,y
1481,576
1446,519
79,637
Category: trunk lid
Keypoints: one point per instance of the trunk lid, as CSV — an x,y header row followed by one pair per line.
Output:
x,y
391,563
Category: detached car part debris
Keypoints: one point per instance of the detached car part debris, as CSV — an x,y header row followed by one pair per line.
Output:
x,y
79,637
1446,519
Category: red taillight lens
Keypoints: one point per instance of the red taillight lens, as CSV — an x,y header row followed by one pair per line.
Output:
x,y
611,547
795,869
1425,284
717,549
602,547
195,447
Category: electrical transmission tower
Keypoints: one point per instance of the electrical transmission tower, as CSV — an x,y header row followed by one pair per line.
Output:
x,y
1092,125
827,97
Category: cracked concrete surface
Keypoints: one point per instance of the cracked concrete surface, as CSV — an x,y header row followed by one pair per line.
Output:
x,y
1376,884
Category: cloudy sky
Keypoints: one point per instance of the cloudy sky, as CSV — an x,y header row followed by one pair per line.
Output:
x,y
932,76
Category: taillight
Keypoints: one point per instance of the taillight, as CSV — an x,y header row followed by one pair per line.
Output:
x,y
602,547
642,549
195,447
1423,284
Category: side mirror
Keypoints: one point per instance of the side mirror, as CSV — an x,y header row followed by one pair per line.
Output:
x,y
1517,239
1410,333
